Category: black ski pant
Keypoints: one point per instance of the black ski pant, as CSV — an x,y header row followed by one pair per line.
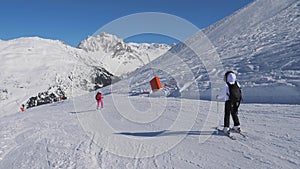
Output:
x,y
231,108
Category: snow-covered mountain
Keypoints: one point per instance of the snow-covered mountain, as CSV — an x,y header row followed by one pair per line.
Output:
x,y
35,70
119,57
261,42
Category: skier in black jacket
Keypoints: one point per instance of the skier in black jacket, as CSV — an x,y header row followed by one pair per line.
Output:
x,y
232,96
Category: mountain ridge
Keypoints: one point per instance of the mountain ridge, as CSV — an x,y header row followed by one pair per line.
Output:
x,y
126,57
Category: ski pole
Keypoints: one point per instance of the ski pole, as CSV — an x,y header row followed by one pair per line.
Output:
x,y
217,106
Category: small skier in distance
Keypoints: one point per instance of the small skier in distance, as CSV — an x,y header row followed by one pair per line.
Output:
x,y
22,108
99,99
232,95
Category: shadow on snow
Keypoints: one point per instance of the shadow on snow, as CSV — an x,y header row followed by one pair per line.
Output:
x,y
85,111
168,133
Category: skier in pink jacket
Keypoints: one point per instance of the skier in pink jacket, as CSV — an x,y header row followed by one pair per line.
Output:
x,y
99,99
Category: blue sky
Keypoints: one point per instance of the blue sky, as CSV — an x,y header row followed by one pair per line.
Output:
x,y
73,20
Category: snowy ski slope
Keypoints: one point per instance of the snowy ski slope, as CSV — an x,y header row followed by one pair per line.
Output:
x,y
160,133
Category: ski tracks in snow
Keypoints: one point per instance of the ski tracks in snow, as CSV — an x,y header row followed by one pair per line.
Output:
x,y
51,137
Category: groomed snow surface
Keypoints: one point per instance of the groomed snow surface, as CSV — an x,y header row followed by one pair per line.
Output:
x,y
148,133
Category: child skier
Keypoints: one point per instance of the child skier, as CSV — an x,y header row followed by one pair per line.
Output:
x,y
22,108
99,100
233,97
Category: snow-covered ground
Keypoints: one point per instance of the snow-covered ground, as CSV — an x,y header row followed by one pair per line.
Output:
x,y
148,133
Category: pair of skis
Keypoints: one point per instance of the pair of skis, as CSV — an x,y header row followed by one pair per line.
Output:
x,y
228,134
